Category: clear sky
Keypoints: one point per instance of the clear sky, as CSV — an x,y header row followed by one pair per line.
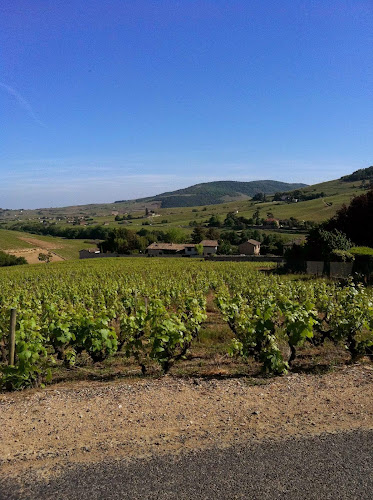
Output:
x,y
103,100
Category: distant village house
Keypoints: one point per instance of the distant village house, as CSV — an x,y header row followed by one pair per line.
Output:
x,y
210,247
250,247
159,249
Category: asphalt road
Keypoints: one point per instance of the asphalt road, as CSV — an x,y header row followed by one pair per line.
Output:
x,y
334,466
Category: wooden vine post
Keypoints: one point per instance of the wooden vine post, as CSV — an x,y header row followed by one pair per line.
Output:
x,y
12,336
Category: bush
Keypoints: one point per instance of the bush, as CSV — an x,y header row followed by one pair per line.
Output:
x,y
363,265
11,260
321,244
341,256
361,251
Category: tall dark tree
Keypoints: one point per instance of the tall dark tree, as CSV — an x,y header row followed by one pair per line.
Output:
x,y
198,234
214,221
212,233
122,241
259,197
356,220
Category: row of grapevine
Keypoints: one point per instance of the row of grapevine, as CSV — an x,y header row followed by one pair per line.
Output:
x,y
263,316
152,310
149,315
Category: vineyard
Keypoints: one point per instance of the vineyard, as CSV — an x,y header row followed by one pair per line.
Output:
x,y
152,313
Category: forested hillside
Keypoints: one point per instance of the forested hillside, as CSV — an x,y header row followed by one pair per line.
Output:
x,y
211,193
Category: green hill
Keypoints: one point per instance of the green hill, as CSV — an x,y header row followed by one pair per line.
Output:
x,y
310,203
335,194
212,193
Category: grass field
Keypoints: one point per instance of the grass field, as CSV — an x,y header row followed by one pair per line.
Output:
x,y
12,240
16,240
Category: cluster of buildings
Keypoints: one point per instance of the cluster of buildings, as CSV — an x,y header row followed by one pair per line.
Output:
x,y
208,247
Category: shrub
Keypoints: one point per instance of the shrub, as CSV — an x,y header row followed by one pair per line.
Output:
x,y
363,265
361,251
321,243
341,256
11,260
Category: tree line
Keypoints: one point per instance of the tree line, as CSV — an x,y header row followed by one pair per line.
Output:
x,y
336,238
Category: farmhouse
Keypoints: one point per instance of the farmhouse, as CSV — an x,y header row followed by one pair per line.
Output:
x,y
250,247
187,249
159,249
209,246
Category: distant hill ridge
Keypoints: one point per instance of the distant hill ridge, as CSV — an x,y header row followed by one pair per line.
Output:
x,y
212,193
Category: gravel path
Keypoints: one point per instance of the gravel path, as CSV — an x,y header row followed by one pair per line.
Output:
x,y
182,430
333,466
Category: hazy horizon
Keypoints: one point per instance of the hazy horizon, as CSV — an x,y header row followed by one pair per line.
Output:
x,y
151,194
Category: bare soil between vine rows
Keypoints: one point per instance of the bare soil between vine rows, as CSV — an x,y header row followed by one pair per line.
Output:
x,y
86,422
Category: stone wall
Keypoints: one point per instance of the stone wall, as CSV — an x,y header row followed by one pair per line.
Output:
x,y
340,269
244,258
315,267
332,269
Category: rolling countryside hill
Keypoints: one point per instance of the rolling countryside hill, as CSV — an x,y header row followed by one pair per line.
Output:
x,y
336,193
328,197
212,193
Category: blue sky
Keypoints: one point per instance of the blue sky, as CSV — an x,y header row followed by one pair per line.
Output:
x,y
117,99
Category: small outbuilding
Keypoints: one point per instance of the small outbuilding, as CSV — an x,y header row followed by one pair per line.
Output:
x,y
249,247
210,247
190,249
